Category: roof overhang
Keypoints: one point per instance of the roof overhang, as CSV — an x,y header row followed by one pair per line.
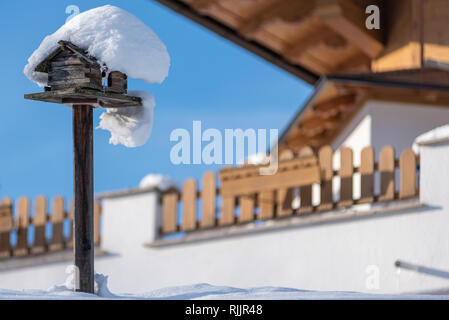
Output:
x,y
306,38
338,98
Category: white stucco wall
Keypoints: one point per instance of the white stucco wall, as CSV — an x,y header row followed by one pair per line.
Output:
x,y
379,124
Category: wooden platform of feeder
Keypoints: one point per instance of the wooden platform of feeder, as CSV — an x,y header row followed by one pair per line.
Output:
x,y
95,98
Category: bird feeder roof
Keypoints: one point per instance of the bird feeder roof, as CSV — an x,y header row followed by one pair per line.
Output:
x,y
65,45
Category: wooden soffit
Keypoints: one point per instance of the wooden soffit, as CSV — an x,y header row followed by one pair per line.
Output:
x,y
308,38
338,98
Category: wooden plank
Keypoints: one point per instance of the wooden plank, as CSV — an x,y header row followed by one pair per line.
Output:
x,y
346,174
348,20
57,224
407,165
109,99
227,216
331,107
246,204
70,83
6,220
366,175
23,218
97,222
305,192
284,179
387,173
284,199
71,62
309,40
70,72
83,197
266,205
326,174
208,197
169,212
285,10
284,196
75,69
250,171
189,205
6,226
39,222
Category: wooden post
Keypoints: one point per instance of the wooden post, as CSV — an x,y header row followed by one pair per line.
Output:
x,y
83,180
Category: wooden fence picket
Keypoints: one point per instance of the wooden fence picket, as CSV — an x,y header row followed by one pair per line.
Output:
x,y
227,215
57,222
326,171
407,165
346,174
208,198
247,204
367,175
305,196
169,212
305,192
189,205
6,226
23,218
285,195
266,204
39,222
387,173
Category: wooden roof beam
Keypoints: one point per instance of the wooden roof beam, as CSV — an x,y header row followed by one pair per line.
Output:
x,y
202,5
285,10
321,35
331,107
348,20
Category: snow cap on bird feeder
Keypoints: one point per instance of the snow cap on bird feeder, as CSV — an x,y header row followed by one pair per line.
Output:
x,y
123,47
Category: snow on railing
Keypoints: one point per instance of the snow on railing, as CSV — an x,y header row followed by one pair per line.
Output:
x,y
25,234
302,185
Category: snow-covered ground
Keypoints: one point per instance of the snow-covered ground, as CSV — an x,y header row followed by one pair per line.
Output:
x,y
207,291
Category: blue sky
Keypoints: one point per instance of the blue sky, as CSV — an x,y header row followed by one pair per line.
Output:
x,y
210,79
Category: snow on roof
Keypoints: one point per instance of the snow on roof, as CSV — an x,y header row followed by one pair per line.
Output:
x,y
114,37
159,181
436,135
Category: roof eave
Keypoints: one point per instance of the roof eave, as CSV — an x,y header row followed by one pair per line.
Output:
x,y
233,36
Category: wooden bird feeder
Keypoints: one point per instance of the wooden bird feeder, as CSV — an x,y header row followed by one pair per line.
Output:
x,y
76,79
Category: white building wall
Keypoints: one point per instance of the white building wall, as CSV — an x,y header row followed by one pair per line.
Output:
x,y
379,124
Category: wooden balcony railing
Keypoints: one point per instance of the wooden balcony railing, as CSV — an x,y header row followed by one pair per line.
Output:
x,y
245,196
40,232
